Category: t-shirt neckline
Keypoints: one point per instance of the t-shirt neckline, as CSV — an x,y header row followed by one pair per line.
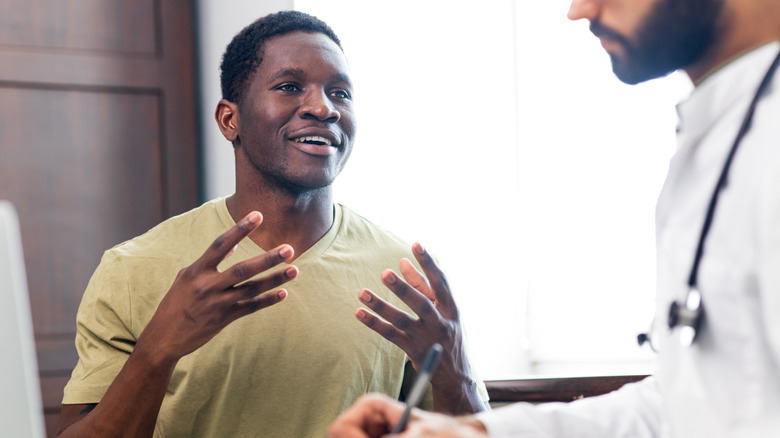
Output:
x,y
250,248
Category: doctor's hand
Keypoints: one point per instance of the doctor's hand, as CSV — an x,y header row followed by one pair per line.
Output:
x,y
203,300
375,415
437,321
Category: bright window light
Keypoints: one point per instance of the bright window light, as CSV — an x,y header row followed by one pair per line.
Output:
x,y
495,134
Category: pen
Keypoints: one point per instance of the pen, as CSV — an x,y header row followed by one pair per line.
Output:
x,y
415,395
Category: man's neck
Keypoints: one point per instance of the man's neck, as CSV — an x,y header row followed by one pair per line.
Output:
x,y
699,73
743,29
296,218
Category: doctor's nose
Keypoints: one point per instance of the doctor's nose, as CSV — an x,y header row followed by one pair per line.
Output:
x,y
317,105
588,9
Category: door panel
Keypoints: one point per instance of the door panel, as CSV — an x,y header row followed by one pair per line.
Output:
x,y
121,27
89,183
98,143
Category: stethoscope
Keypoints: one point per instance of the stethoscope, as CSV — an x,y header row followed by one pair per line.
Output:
x,y
687,316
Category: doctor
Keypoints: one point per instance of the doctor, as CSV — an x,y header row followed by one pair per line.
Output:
x,y
717,324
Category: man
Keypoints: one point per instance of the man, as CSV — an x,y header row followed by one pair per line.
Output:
x,y
172,348
718,233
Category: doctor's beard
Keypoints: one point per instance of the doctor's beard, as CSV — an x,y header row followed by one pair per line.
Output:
x,y
673,35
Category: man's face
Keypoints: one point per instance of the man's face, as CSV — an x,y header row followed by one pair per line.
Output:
x,y
646,39
296,124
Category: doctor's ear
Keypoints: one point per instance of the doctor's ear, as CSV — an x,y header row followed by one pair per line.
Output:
x,y
228,119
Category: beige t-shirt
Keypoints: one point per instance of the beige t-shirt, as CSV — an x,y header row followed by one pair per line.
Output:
x,y
285,371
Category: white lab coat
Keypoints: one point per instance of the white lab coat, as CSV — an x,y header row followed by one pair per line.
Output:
x,y
728,383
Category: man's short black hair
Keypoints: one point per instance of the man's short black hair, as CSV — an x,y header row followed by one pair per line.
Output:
x,y
245,52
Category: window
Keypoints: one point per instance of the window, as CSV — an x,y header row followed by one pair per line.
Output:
x,y
496,135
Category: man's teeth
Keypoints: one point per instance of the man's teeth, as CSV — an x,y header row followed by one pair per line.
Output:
x,y
313,139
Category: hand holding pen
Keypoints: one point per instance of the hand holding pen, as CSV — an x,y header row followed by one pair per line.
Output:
x,y
418,389
375,415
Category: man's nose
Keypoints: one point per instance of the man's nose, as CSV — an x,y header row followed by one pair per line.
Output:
x,y
317,105
588,9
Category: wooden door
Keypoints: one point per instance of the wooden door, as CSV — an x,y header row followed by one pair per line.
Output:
x,y
97,144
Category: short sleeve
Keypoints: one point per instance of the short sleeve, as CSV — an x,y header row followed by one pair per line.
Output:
x,y
104,335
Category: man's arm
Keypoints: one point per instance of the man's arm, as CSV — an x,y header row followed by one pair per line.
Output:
x,y
455,390
632,411
70,414
201,302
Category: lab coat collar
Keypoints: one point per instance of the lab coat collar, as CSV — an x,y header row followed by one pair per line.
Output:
x,y
712,98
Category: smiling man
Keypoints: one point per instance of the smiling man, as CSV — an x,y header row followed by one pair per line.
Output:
x,y
168,341
716,329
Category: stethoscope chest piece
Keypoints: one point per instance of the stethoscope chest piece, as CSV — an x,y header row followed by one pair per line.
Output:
x,y
687,317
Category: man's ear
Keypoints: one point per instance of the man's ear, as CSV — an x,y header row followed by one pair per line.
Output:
x,y
228,119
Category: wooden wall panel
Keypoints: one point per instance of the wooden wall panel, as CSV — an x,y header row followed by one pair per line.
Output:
x,y
90,184
123,27
98,143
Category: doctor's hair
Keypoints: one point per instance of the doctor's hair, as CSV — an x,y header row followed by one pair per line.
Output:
x,y
245,52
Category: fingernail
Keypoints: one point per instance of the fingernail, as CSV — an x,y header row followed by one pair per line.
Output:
x,y
360,314
253,217
291,272
282,294
365,296
286,251
420,250
390,278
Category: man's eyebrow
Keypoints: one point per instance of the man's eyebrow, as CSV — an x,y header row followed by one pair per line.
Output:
x,y
297,72
284,72
341,77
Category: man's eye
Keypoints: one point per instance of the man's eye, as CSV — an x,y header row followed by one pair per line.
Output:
x,y
341,94
287,87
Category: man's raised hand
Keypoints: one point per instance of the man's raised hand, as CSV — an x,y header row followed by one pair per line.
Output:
x,y
203,300
437,320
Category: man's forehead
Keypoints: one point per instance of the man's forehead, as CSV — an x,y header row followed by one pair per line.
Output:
x,y
302,53
294,43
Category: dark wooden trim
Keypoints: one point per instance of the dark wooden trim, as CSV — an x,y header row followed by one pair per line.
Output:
x,y
554,389
180,157
81,70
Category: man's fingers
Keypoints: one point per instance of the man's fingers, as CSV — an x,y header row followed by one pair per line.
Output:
x,y
416,279
253,288
419,303
252,305
384,328
397,317
247,269
436,278
225,243
372,415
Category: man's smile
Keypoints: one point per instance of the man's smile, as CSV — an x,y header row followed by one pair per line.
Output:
x,y
315,139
